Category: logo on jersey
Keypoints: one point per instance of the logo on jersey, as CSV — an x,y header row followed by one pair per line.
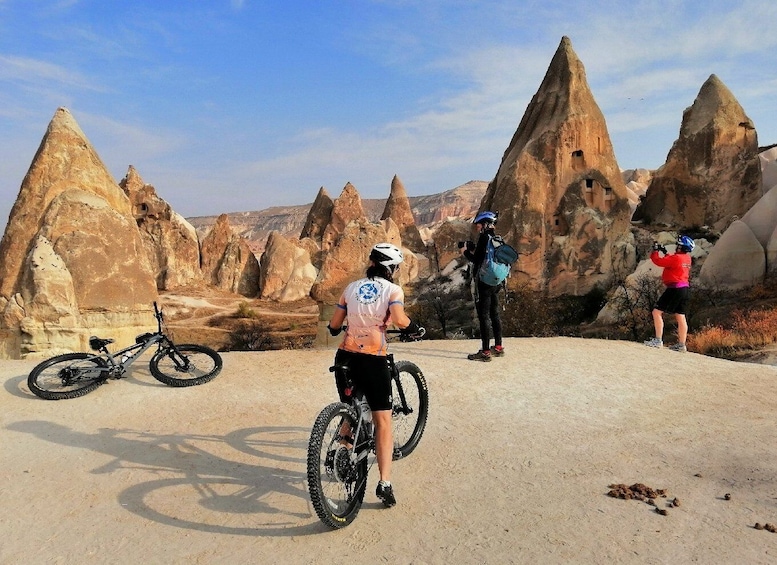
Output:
x,y
368,292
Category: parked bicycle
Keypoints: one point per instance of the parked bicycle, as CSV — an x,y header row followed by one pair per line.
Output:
x,y
341,450
75,374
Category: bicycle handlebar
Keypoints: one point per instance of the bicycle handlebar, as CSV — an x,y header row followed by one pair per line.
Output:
x,y
403,335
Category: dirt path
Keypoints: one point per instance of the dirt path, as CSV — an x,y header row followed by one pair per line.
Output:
x,y
514,466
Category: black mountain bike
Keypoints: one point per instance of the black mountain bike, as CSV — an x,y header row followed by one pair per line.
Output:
x,y
75,374
342,444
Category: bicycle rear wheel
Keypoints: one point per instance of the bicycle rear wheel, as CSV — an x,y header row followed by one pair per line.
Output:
x,y
67,376
408,423
186,365
336,483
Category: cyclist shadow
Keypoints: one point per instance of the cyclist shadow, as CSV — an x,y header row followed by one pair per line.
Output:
x,y
201,488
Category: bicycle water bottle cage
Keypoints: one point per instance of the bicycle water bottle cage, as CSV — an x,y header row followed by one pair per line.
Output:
x,y
142,338
97,343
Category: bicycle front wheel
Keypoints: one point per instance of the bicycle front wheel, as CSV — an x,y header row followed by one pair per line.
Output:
x,y
408,416
185,365
335,481
67,376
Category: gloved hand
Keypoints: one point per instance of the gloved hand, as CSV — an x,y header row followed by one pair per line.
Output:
x,y
412,332
334,331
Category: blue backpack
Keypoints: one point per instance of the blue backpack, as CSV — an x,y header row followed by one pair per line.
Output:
x,y
499,258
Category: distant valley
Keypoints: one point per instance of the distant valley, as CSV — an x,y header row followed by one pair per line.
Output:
x,y
429,211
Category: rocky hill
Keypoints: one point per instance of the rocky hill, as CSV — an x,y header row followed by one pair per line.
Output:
x,y
429,211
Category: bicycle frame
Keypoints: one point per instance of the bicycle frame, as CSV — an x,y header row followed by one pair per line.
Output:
x,y
129,354
362,450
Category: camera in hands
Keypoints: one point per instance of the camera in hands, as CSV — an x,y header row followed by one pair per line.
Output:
x,y
658,247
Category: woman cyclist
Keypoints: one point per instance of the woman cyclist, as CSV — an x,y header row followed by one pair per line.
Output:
x,y
370,304
674,300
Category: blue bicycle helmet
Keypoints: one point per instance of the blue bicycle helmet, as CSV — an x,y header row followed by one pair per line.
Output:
x,y
686,242
485,217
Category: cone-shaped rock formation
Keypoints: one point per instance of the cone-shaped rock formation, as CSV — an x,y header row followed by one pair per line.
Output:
x,y
73,258
398,209
227,261
559,192
318,217
712,172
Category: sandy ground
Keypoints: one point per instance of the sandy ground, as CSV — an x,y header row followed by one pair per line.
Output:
x,y
514,466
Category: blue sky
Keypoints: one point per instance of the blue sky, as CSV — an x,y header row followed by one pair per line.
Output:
x,y
232,105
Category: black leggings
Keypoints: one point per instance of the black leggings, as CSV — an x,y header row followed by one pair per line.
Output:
x,y
487,306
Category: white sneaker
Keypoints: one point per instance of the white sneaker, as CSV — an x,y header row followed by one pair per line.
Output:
x,y
655,342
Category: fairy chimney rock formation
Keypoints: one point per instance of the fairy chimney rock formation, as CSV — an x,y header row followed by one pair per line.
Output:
x,y
65,160
345,209
227,262
286,272
559,192
318,217
73,258
712,172
398,209
170,241
347,260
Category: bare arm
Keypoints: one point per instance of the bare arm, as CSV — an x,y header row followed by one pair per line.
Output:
x,y
398,315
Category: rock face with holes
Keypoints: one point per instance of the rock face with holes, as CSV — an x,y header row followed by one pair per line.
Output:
x,y
73,257
561,199
712,174
169,240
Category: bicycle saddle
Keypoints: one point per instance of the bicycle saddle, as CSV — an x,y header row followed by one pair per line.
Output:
x,y
98,343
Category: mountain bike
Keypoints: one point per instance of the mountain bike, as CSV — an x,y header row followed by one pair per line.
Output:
x,y
341,450
75,374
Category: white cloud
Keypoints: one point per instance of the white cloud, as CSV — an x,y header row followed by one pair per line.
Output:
x,y
35,72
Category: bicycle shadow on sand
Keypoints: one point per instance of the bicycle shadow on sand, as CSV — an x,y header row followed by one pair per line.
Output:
x,y
194,482
140,376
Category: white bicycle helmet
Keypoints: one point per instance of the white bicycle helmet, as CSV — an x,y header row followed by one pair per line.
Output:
x,y
387,255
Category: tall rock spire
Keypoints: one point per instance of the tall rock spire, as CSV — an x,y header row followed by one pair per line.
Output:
x,y
712,173
398,209
318,217
65,160
558,190
345,209
73,263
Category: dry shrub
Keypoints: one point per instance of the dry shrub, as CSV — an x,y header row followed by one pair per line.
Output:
x,y
748,330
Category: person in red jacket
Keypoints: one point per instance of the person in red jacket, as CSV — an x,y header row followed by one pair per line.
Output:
x,y
674,300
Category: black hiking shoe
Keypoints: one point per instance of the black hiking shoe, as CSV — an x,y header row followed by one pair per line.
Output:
x,y
497,351
386,494
482,355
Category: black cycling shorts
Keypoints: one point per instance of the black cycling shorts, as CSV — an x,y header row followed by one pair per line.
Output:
x,y
674,300
369,374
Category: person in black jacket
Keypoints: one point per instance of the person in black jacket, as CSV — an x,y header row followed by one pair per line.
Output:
x,y
486,296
